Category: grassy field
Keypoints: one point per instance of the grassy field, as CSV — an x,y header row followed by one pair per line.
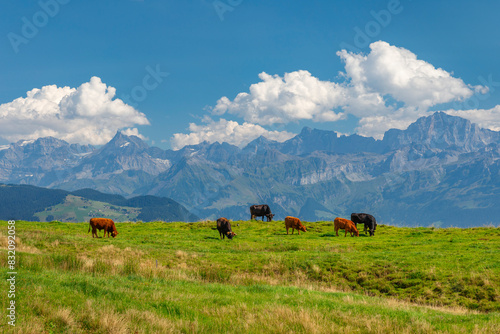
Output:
x,y
181,278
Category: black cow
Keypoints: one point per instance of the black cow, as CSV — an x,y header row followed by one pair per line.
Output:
x,y
261,210
366,219
224,228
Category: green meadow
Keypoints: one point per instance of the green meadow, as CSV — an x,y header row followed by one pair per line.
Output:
x,y
76,208
182,278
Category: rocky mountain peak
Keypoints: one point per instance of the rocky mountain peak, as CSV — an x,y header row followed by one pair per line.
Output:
x,y
125,144
442,131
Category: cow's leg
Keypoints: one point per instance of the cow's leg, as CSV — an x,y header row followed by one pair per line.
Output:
x,y
337,231
287,230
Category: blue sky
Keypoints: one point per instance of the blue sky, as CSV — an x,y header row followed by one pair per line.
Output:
x,y
215,49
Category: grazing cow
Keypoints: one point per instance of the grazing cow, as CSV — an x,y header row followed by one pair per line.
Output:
x,y
262,210
294,224
102,224
345,224
365,219
224,228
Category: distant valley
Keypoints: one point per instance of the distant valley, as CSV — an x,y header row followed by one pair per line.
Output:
x,y
41,204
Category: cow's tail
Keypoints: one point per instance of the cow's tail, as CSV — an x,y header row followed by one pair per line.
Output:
x,y
89,228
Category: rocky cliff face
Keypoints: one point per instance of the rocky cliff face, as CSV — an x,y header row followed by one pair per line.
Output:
x,y
438,170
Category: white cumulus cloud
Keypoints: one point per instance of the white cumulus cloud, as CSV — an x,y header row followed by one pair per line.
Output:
x,y
387,88
296,96
395,71
391,88
87,114
225,131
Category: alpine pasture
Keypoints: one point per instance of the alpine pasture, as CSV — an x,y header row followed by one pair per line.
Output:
x,y
182,278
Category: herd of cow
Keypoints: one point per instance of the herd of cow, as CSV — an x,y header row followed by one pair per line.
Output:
x,y
263,210
224,226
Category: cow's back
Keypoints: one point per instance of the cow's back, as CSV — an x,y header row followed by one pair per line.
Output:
x,y
222,224
342,223
290,221
363,218
261,209
103,223
100,223
293,222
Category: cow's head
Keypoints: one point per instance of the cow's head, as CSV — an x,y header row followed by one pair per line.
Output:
x,y
230,235
372,232
302,228
114,233
270,216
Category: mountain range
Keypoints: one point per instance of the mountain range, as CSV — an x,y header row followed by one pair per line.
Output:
x,y
442,170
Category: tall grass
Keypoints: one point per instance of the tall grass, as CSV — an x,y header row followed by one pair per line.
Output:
x,y
171,278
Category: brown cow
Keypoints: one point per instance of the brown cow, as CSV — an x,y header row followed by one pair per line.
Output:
x,y
224,227
102,224
294,224
347,225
